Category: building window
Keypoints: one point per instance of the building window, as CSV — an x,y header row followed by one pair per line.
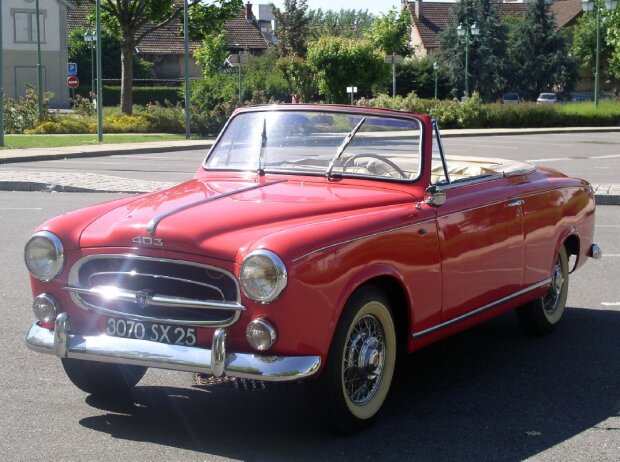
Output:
x,y
25,26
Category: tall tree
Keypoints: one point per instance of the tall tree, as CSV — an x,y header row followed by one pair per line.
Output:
x,y
390,32
486,50
542,53
343,23
292,28
133,20
340,62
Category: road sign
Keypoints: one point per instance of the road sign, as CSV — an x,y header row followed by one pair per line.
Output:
x,y
237,58
351,89
393,59
71,69
73,81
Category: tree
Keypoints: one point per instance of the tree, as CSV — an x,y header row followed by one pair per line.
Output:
x,y
343,23
340,62
133,20
292,28
390,32
542,53
212,53
486,51
80,53
298,76
418,75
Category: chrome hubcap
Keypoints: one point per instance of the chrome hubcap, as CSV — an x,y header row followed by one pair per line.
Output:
x,y
364,360
552,298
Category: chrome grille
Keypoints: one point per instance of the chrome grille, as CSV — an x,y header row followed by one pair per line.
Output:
x,y
156,290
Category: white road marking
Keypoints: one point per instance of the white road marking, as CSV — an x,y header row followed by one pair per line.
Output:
x,y
608,226
611,156
611,254
549,160
21,208
610,303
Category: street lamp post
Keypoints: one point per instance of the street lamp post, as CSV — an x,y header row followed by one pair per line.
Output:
x,y
39,67
589,5
465,32
435,68
90,38
1,85
99,73
186,67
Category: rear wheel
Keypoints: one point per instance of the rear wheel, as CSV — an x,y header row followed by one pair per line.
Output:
x,y
104,379
542,316
360,364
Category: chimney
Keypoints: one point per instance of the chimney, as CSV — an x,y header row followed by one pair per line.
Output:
x,y
248,12
418,8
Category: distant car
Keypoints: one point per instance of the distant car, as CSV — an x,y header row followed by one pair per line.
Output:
x,y
511,98
580,99
547,98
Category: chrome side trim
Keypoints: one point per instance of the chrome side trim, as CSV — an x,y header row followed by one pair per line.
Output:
x,y
348,241
516,203
480,310
469,181
595,252
103,348
152,226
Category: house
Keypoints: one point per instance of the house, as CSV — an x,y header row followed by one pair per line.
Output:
x,y
19,37
429,19
165,46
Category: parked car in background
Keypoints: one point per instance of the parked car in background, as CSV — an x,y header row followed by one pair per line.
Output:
x,y
580,99
547,98
511,98
314,243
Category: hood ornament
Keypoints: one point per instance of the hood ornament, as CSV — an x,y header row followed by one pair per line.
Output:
x,y
143,298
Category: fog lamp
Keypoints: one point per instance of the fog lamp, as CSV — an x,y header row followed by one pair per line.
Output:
x,y
45,308
261,335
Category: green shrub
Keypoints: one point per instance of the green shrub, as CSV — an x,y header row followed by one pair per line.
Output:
x,y
141,95
65,124
22,114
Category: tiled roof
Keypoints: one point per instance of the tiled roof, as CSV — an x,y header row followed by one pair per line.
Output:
x,y
437,15
169,39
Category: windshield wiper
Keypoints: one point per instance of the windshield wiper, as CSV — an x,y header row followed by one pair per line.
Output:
x,y
343,146
263,143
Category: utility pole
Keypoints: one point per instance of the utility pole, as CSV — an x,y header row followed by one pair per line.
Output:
x,y
1,84
99,71
39,67
186,39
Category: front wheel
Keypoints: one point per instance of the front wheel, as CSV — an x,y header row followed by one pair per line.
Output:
x,y
542,316
103,379
361,360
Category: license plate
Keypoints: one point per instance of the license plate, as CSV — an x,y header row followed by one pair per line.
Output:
x,y
155,332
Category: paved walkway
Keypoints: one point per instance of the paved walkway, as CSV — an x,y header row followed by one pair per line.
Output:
x,y
608,194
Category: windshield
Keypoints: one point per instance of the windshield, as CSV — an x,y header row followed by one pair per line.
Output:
x,y
332,144
547,96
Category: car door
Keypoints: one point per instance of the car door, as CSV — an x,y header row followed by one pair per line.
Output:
x,y
481,244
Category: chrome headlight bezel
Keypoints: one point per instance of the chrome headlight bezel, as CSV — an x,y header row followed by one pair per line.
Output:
x,y
56,250
270,262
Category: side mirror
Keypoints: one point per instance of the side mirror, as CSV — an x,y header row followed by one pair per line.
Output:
x,y
436,198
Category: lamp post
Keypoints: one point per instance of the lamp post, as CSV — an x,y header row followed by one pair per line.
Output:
x,y
90,37
465,32
435,68
39,67
590,6
99,72
186,65
1,85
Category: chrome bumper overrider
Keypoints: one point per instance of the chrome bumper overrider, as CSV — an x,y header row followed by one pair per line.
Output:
x,y
216,361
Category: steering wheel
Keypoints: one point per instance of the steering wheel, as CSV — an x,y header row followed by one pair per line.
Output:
x,y
394,168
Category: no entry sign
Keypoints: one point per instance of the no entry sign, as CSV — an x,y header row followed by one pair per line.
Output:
x,y
73,81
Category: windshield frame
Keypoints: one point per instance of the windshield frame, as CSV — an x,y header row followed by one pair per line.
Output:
x,y
327,109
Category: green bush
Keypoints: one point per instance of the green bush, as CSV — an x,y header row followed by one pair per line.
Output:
x,y
141,95
22,114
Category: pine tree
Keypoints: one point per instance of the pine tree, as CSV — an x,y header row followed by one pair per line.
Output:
x,y
292,28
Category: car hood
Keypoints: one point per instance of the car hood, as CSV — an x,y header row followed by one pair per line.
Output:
x,y
220,218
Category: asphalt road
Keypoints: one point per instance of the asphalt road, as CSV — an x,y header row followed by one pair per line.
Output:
x,y
593,156
489,394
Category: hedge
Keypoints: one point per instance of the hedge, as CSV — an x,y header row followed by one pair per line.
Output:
x,y
141,95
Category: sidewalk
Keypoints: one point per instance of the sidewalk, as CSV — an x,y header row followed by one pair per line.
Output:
x,y
608,194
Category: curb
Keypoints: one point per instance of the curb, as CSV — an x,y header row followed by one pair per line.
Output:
x,y
103,153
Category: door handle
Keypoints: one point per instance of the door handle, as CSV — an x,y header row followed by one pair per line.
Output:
x,y
515,203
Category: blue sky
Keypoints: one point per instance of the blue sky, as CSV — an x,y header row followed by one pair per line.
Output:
x,y
374,6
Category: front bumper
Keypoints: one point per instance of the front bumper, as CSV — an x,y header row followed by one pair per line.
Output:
x,y
217,361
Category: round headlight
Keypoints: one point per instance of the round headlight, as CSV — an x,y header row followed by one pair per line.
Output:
x,y
44,255
263,276
261,335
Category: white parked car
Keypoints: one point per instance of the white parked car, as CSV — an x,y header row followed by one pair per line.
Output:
x,y
547,98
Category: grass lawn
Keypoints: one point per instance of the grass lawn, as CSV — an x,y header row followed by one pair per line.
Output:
x,y
53,141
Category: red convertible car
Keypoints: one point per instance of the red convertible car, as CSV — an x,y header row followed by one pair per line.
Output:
x,y
314,243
